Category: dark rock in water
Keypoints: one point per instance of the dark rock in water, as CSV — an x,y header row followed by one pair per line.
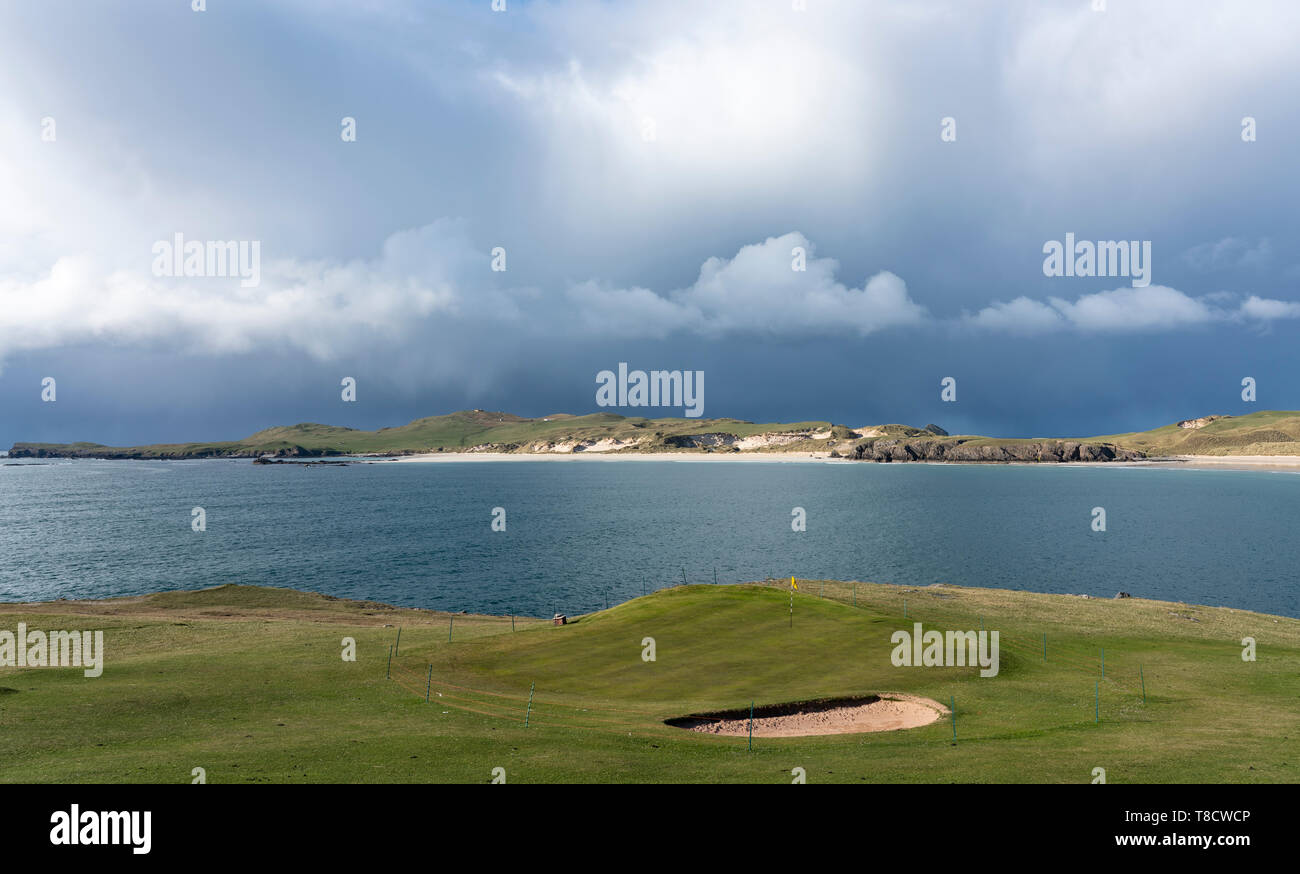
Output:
x,y
1123,595
936,430
262,459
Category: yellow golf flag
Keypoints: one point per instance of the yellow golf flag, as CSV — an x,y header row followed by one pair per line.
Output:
x,y
793,585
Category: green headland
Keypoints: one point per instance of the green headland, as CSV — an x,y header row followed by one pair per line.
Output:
x,y
1258,434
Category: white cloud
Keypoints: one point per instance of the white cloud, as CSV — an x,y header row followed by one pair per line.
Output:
x,y
1264,310
1020,316
756,292
324,308
1134,309
628,312
750,102
1125,74
1127,310
745,101
432,282
1229,253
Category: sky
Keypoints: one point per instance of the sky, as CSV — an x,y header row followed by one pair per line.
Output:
x,y
651,174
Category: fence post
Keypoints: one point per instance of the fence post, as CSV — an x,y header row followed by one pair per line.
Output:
x,y
398,645
529,711
388,672
428,684
451,621
751,726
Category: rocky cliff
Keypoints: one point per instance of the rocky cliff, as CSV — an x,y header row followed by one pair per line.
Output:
x,y
1048,451
189,451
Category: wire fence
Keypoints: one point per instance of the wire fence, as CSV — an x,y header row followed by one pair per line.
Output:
x,y
520,709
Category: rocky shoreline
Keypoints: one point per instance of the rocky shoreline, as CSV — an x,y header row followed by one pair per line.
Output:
x,y
884,450
1045,451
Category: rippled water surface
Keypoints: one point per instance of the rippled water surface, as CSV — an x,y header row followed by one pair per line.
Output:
x,y
582,532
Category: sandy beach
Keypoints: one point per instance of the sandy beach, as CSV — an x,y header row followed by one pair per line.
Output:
x,y
771,457
1290,463
1286,463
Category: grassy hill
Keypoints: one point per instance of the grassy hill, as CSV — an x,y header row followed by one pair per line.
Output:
x,y
1268,432
1264,433
453,432
248,684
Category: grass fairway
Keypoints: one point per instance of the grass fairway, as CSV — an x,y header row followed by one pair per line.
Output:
x,y
248,683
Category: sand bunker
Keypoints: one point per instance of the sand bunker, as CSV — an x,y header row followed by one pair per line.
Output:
x,y
888,711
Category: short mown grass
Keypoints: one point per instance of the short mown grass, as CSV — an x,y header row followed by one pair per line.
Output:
x,y
249,684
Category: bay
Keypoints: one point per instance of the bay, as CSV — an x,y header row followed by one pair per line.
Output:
x,y
582,534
